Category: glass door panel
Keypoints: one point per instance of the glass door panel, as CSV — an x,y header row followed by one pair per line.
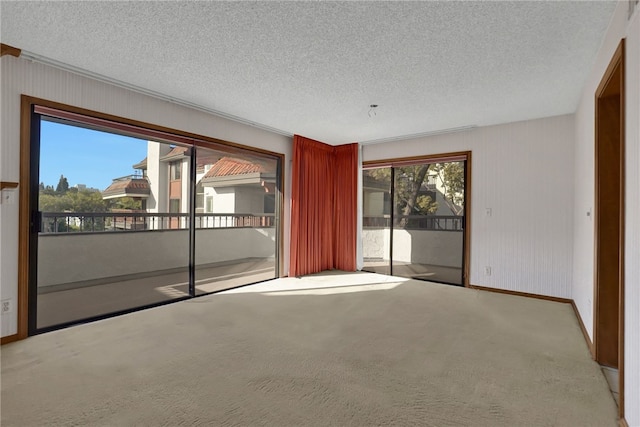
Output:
x,y
113,224
125,217
236,232
428,217
376,233
421,234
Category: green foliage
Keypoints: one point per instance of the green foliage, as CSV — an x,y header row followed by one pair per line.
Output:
x,y
410,189
72,201
126,203
409,201
452,177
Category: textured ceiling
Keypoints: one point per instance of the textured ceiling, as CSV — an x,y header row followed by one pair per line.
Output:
x,y
313,68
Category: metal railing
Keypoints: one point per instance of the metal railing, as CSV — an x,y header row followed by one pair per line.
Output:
x,y
416,222
100,222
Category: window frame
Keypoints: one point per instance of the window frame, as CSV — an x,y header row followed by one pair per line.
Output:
x,y
32,108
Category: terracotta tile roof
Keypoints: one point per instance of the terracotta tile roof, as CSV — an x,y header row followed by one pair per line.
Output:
x,y
228,166
127,186
142,164
175,152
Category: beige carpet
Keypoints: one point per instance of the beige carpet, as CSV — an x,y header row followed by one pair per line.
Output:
x,y
373,352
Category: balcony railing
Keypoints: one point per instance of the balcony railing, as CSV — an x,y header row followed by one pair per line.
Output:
x,y
416,222
100,222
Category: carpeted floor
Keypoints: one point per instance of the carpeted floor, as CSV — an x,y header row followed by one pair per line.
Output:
x,y
302,352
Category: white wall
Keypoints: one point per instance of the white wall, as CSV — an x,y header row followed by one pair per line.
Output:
x,y
584,174
23,77
249,199
443,248
158,175
185,185
224,199
523,172
584,178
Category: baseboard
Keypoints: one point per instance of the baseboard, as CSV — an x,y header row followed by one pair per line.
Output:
x,y
9,338
583,329
547,298
521,294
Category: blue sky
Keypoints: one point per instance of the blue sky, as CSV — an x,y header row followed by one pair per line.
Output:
x,y
86,156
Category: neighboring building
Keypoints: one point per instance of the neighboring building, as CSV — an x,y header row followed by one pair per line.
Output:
x,y
233,185
224,184
133,186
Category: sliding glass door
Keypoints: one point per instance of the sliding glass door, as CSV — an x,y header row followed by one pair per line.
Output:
x,y
107,242
414,219
125,217
376,237
235,219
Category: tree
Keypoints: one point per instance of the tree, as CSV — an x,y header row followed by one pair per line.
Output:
x,y
410,197
409,201
63,185
74,200
126,203
451,175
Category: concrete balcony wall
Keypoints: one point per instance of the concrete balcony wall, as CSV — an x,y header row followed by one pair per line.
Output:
x,y
69,258
443,248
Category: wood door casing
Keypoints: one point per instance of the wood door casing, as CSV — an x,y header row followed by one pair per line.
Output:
x,y
609,230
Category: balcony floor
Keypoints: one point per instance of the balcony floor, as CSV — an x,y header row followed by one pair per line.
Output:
x,y
82,302
436,273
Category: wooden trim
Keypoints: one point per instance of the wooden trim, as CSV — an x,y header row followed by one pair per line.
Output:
x,y
24,222
621,243
280,231
614,75
522,294
583,328
198,140
8,339
5,49
622,422
467,221
8,184
618,56
417,159
546,298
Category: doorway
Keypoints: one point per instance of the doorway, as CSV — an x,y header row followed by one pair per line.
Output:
x,y
608,344
415,218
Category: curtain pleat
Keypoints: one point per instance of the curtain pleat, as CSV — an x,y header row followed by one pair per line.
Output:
x,y
323,207
345,206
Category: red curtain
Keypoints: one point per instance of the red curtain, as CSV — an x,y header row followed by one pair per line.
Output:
x,y
323,207
345,207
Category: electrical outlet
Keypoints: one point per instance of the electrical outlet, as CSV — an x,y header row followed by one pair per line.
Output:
x,y
487,270
6,306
